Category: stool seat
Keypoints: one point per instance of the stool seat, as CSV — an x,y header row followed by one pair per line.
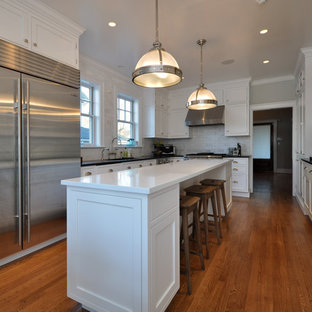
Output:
x,y
187,202
199,189
213,182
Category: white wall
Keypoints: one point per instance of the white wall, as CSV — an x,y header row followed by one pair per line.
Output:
x,y
111,83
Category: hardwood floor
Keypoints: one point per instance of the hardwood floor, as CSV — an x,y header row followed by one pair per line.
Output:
x,y
264,263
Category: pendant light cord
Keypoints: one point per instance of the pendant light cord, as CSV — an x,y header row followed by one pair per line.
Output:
x,y
157,29
201,65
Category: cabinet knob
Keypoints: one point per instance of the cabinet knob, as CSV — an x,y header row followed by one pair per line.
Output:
x,y
35,44
110,170
178,160
235,162
26,40
129,167
235,169
151,164
235,181
140,166
88,173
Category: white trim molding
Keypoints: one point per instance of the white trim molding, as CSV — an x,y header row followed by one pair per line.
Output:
x,y
272,80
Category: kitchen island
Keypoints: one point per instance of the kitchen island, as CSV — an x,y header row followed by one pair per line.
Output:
x,y
123,234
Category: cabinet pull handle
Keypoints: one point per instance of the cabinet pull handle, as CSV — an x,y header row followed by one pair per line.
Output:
x,y
35,44
235,169
235,162
178,160
151,164
26,40
129,167
140,166
110,170
88,173
235,181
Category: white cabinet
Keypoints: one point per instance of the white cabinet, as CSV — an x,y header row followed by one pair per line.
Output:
x,y
237,110
14,24
34,26
176,123
54,43
161,122
240,177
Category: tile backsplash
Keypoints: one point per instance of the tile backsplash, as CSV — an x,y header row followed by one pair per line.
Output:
x,y
209,139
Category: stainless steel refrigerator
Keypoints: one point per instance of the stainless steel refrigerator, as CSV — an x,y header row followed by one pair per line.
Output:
x,y
39,146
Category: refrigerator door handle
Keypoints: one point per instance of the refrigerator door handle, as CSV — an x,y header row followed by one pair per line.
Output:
x,y
19,155
28,213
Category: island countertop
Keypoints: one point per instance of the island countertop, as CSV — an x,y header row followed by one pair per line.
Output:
x,y
147,180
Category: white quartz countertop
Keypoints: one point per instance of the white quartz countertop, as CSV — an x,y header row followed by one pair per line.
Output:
x,y
147,180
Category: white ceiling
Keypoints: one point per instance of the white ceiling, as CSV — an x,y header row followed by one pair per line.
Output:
x,y
231,28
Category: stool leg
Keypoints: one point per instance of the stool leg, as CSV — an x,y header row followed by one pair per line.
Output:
x,y
219,210
197,229
205,208
186,250
213,202
224,202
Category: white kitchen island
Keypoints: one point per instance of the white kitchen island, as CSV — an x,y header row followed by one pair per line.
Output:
x,y
123,234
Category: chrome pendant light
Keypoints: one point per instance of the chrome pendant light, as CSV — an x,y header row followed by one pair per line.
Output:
x,y
157,68
201,98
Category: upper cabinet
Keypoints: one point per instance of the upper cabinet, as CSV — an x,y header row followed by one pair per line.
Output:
x,y
165,118
236,100
36,27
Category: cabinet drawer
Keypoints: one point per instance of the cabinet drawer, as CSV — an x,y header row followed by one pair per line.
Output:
x,y
240,183
239,161
239,169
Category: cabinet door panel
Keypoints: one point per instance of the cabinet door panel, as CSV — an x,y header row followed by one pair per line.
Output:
x,y
14,25
52,42
176,123
236,95
236,120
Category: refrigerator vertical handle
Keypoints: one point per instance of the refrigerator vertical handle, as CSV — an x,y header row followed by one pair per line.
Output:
x,y
28,159
20,161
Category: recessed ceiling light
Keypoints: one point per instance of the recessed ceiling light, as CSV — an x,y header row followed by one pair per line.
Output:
x,y
112,24
228,62
263,31
266,61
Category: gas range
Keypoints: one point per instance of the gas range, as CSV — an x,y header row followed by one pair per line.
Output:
x,y
205,155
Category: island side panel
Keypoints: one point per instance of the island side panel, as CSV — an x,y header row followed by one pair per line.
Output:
x,y
105,253
164,242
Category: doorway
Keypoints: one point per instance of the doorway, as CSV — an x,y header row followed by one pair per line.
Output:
x,y
263,160
273,133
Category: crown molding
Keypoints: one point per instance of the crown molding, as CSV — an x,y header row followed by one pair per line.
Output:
x,y
272,80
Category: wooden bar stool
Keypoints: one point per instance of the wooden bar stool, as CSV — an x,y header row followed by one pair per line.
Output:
x,y
189,204
219,184
205,193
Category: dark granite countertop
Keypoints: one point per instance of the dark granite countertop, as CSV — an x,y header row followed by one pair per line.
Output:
x,y
307,160
121,160
233,156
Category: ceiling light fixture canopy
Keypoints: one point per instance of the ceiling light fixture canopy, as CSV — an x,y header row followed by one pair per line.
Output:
x,y
201,98
157,68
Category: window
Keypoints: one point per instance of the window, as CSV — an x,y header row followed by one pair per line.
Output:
x,y
87,117
125,121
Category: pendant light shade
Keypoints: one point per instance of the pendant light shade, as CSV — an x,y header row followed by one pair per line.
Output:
x,y
157,68
201,98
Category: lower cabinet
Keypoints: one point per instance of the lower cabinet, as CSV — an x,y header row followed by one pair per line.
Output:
x,y
240,177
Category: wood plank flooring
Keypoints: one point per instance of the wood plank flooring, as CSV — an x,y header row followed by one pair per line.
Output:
x,y
264,263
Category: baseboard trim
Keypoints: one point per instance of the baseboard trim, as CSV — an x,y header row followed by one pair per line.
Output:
x,y
241,194
30,250
280,170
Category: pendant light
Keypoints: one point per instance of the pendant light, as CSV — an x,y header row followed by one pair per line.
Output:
x,y
201,98
157,68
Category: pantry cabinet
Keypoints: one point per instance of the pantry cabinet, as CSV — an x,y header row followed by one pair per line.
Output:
x,y
40,29
236,110
307,188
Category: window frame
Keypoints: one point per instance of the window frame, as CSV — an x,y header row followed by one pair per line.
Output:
x,y
132,122
91,114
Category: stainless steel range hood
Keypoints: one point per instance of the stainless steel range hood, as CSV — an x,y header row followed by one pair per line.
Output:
x,y
207,117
